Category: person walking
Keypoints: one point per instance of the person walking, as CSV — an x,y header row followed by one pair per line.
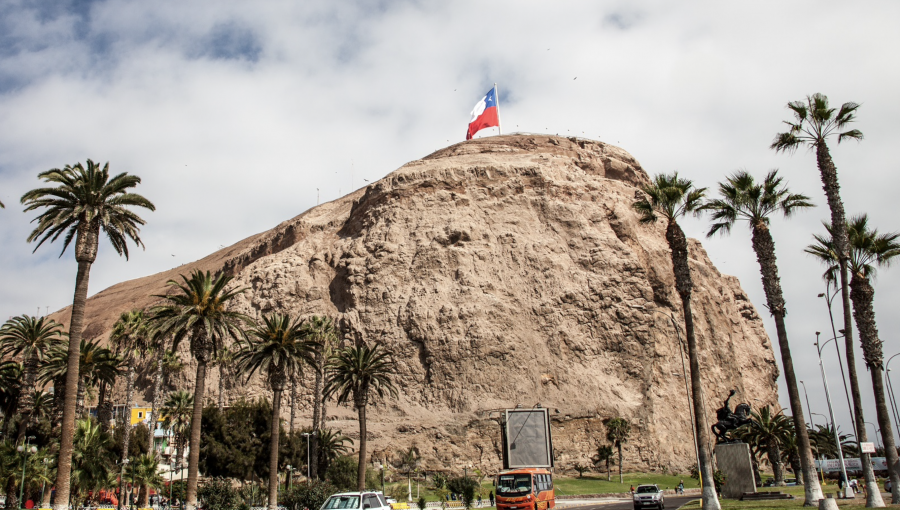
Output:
x,y
681,487
491,498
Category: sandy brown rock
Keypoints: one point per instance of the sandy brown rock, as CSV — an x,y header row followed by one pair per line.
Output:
x,y
500,271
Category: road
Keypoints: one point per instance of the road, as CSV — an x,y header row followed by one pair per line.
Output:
x,y
672,503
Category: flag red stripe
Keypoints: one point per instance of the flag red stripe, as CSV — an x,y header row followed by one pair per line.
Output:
x,y
487,119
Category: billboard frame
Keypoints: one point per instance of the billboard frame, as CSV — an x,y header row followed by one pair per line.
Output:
x,y
505,434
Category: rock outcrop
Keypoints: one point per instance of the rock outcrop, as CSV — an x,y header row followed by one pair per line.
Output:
x,y
502,271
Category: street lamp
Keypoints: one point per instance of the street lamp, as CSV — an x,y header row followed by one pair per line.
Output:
x,y
837,439
24,450
808,409
887,377
876,429
829,297
290,469
307,434
827,425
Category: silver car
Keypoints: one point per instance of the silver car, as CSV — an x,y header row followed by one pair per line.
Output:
x,y
649,496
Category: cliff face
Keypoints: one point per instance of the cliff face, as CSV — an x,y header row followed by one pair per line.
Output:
x,y
500,271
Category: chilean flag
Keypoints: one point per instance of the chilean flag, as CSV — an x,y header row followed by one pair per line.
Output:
x,y
485,115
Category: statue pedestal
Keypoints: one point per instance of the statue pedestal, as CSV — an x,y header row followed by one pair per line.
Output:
x,y
733,459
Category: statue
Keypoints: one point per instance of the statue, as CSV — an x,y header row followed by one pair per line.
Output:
x,y
729,420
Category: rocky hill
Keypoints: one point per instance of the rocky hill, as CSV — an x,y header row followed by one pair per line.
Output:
x,y
501,271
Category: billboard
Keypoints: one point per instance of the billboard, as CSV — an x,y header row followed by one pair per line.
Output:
x,y
526,439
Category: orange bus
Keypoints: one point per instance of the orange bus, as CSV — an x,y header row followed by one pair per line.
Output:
x,y
525,489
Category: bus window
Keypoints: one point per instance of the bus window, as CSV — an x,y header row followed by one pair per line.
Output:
x,y
514,485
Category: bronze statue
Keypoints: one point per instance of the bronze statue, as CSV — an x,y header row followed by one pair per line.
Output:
x,y
729,420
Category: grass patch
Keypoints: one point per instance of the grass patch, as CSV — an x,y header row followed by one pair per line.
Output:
x,y
597,484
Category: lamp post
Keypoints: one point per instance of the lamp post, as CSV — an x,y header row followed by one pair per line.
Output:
x,y
887,377
43,483
307,434
290,469
808,409
837,439
827,425
876,429
171,472
829,297
24,451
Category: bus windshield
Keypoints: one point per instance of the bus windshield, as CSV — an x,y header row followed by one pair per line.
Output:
x,y
514,485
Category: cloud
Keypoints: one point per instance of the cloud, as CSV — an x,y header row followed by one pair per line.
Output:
x,y
234,113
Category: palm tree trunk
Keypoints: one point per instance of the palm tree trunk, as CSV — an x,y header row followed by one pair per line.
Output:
x,y
764,247
683,284
64,461
293,403
104,406
318,410
157,388
828,173
863,295
221,403
144,497
361,469
12,494
126,429
26,396
194,446
774,455
273,452
619,446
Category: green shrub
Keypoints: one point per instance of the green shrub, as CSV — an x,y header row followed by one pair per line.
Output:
x,y
465,487
218,493
308,495
342,474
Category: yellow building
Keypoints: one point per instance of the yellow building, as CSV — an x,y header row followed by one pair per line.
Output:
x,y
140,415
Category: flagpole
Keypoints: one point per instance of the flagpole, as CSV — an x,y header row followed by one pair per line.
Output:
x,y
497,92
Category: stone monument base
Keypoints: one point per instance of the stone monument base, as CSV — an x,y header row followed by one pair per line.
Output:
x,y
733,459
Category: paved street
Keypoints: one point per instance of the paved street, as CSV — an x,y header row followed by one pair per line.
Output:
x,y
672,503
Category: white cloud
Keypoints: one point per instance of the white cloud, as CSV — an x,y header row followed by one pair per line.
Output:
x,y
235,113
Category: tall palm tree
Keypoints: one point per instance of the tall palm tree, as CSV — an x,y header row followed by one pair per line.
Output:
x,y
869,250
177,412
355,372
742,198
224,359
617,431
321,331
143,473
672,197
813,123
84,202
278,348
131,336
157,345
198,310
31,338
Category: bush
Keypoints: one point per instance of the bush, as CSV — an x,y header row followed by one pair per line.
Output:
x,y
439,480
218,493
311,495
465,487
421,502
342,474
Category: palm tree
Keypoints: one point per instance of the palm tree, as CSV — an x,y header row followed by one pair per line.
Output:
x,y
745,199
223,359
320,331
605,456
769,430
31,338
278,348
617,431
868,251
198,310
177,412
10,388
131,336
409,462
84,202
813,123
822,439
332,444
158,346
355,372
143,472
92,460
672,197
97,365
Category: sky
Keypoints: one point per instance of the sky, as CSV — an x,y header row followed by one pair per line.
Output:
x,y
240,115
